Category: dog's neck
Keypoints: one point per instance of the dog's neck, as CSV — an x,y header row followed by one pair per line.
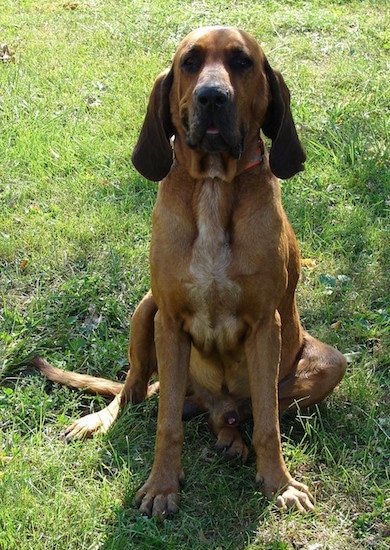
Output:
x,y
220,165
258,157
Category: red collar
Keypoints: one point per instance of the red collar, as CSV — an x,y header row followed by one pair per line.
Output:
x,y
258,156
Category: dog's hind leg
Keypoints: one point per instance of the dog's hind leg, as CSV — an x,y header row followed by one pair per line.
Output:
x,y
319,369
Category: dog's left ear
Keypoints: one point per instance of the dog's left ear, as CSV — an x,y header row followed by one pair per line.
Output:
x,y
152,155
287,155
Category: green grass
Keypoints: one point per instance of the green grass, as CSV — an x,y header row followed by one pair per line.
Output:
x,y
74,237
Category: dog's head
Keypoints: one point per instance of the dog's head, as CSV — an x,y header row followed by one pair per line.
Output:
x,y
218,94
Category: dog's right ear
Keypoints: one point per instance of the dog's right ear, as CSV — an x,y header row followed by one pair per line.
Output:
x,y
152,155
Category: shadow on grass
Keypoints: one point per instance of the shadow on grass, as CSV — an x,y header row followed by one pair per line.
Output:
x,y
220,505
218,502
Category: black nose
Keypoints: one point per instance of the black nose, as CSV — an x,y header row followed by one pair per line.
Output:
x,y
211,96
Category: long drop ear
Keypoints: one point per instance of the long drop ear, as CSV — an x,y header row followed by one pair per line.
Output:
x,y
287,155
152,155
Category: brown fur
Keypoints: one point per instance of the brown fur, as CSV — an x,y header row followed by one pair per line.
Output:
x,y
221,321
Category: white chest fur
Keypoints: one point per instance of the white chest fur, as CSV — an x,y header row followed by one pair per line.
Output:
x,y
213,296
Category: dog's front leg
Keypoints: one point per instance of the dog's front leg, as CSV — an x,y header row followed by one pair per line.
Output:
x,y
263,355
159,496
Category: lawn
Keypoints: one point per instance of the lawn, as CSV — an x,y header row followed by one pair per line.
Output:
x,y
74,237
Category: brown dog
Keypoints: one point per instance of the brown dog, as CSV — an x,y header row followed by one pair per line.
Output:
x,y
221,320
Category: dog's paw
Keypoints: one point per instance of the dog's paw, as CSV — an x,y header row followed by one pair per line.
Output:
x,y
159,506
231,445
296,495
86,427
285,491
159,497
291,493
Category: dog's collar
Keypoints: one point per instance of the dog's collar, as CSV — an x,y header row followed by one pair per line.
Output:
x,y
258,156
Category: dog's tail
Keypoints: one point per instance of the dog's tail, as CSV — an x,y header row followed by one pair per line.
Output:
x,y
90,384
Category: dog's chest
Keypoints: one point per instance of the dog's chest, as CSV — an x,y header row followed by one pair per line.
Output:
x,y
213,297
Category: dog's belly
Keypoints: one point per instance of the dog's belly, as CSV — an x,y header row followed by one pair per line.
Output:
x,y
220,375
217,356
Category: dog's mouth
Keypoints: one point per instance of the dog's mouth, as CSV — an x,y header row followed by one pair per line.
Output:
x,y
212,136
211,140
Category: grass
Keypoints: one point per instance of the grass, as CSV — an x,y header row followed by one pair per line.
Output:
x,y
74,232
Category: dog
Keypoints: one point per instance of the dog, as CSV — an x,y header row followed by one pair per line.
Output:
x,y
220,324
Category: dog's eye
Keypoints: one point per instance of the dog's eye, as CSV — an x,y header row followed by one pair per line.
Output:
x,y
191,63
241,62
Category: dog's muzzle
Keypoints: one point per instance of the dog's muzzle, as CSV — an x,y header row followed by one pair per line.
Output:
x,y
211,124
